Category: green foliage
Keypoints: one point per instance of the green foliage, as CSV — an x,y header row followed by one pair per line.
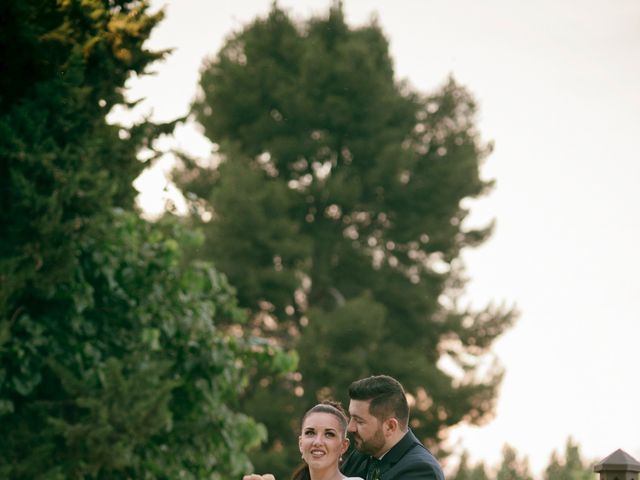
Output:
x,y
572,467
128,373
64,65
466,472
512,467
337,210
118,357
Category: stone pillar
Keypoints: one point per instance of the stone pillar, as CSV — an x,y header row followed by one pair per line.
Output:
x,y
618,466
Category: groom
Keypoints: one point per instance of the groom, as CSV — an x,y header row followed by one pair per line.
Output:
x,y
385,447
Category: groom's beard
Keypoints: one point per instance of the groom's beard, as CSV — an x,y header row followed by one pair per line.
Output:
x,y
372,445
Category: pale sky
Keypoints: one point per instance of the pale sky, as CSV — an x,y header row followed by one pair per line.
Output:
x,y
558,86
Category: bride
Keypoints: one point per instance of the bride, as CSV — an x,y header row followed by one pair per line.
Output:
x,y
322,441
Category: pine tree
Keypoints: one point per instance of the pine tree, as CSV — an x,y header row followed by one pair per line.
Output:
x,y
337,210
512,467
467,472
571,467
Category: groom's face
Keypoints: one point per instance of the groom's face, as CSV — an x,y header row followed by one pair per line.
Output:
x,y
365,428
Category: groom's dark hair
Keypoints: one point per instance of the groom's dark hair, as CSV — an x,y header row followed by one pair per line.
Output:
x,y
386,395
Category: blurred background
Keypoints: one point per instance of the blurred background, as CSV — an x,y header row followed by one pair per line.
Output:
x,y
311,192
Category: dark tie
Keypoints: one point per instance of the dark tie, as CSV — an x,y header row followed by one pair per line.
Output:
x,y
373,472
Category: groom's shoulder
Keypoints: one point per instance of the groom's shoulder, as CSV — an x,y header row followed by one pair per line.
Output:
x,y
420,458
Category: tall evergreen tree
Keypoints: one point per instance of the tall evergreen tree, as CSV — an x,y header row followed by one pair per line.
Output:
x,y
467,472
64,66
114,359
512,467
572,467
337,210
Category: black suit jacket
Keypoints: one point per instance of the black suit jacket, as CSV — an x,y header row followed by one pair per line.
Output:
x,y
407,460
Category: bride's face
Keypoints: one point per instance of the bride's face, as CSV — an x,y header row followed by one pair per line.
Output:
x,y
322,440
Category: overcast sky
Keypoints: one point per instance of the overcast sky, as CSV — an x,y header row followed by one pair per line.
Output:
x,y
558,86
